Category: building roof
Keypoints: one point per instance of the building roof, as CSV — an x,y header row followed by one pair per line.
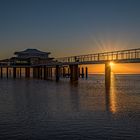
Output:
x,y
32,51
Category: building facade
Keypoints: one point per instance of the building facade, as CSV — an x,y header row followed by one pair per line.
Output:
x,y
30,57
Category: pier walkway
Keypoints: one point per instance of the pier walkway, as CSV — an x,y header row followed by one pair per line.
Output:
x,y
122,56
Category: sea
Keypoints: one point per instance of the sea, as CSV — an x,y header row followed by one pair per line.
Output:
x,y
32,109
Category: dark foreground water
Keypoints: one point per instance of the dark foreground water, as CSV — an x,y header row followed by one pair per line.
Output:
x,y
37,109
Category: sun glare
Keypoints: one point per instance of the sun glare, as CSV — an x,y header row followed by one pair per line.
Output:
x,y
111,64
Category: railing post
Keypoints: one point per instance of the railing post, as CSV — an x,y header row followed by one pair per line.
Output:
x,y
112,55
107,57
98,57
135,54
117,56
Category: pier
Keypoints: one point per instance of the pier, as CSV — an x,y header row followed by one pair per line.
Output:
x,y
43,67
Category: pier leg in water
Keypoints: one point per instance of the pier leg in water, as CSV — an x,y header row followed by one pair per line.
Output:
x,y
7,72
51,73
38,72
14,72
107,75
44,72
35,72
1,71
47,73
57,73
79,72
82,72
20,72
74,73
64,72
86,73
10,73
61,71
68,72
27,72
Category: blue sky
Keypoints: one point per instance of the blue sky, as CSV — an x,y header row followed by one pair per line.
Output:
x,y
69,27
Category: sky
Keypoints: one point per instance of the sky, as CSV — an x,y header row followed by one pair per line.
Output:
x,y
69,27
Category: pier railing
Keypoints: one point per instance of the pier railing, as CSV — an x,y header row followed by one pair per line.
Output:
x,y
133,54
122,56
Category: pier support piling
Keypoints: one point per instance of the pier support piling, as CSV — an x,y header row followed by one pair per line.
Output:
x,y
79,72
107,75
35,72
7,72
86,73
14,72
27,72
45,73
57,73
64,72
41,72
20,72
51,72
74,73
38,72
1,71
82,72
68,71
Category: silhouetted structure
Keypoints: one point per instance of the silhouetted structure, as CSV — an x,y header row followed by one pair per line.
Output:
x,y
42,65
30,56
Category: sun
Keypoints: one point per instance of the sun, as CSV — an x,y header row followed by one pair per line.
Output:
x,y
111,64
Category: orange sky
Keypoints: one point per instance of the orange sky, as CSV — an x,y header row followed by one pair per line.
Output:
x,y
116,68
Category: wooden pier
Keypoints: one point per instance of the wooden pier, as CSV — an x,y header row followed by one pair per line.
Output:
x,y
45,67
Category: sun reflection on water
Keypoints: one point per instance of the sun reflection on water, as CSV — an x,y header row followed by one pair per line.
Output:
x,y
112,94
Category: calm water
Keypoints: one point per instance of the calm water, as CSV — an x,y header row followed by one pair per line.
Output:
x,y
37,109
